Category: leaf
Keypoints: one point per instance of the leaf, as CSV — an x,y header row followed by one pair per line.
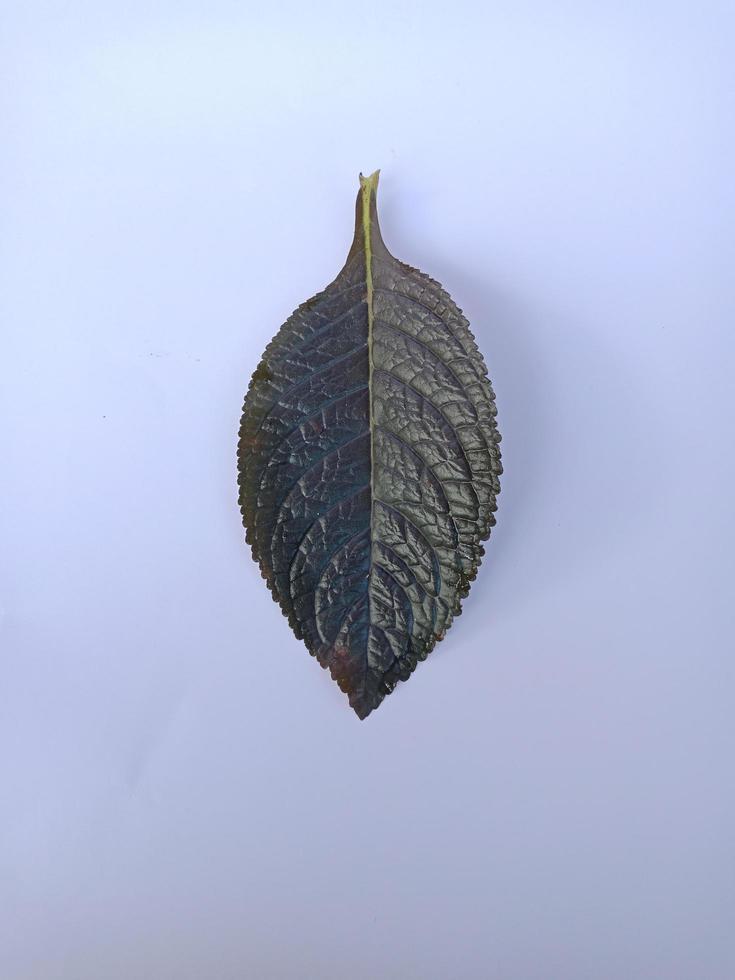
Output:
x,y
368,466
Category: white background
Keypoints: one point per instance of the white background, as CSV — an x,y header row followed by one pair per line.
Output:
x,y
185,794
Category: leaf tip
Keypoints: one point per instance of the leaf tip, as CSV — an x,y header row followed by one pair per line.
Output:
x,y
362,706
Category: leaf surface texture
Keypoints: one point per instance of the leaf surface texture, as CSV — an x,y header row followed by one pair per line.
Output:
x,y
368,464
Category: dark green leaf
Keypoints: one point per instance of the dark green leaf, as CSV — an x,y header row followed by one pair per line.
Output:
x,y
368,466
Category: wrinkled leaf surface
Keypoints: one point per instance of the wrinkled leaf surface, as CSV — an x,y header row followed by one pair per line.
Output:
x,y
368,466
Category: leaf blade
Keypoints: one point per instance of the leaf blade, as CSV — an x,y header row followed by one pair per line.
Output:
x,y
368,466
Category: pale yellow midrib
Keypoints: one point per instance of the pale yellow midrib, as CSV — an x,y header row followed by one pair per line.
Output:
x,y
367,186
